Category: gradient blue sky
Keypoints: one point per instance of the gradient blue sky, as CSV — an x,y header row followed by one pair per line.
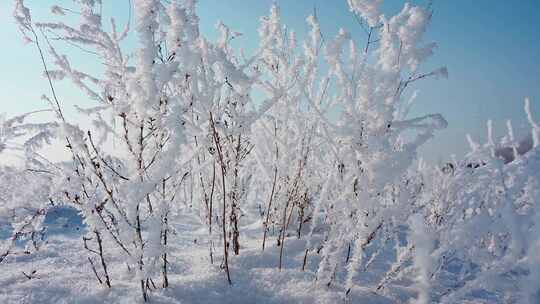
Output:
x,y
491,49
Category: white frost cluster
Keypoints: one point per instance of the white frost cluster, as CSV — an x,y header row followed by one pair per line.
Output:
x,y
367,9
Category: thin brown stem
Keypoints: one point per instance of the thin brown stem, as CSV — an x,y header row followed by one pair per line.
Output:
x,y
222,165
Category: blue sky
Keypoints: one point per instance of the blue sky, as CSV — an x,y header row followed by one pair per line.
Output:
x,y
491,49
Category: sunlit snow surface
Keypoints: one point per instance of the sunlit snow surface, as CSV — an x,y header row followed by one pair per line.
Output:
x,y
63,273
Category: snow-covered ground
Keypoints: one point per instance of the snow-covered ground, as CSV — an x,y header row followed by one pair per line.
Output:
x,y
61,273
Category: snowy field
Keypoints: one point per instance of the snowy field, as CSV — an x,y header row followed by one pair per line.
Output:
x,y
194,172
60,273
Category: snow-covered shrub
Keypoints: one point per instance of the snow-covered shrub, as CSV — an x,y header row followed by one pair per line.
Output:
x,y
22,212
146,102
174,107
287,144
482,217
373,143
